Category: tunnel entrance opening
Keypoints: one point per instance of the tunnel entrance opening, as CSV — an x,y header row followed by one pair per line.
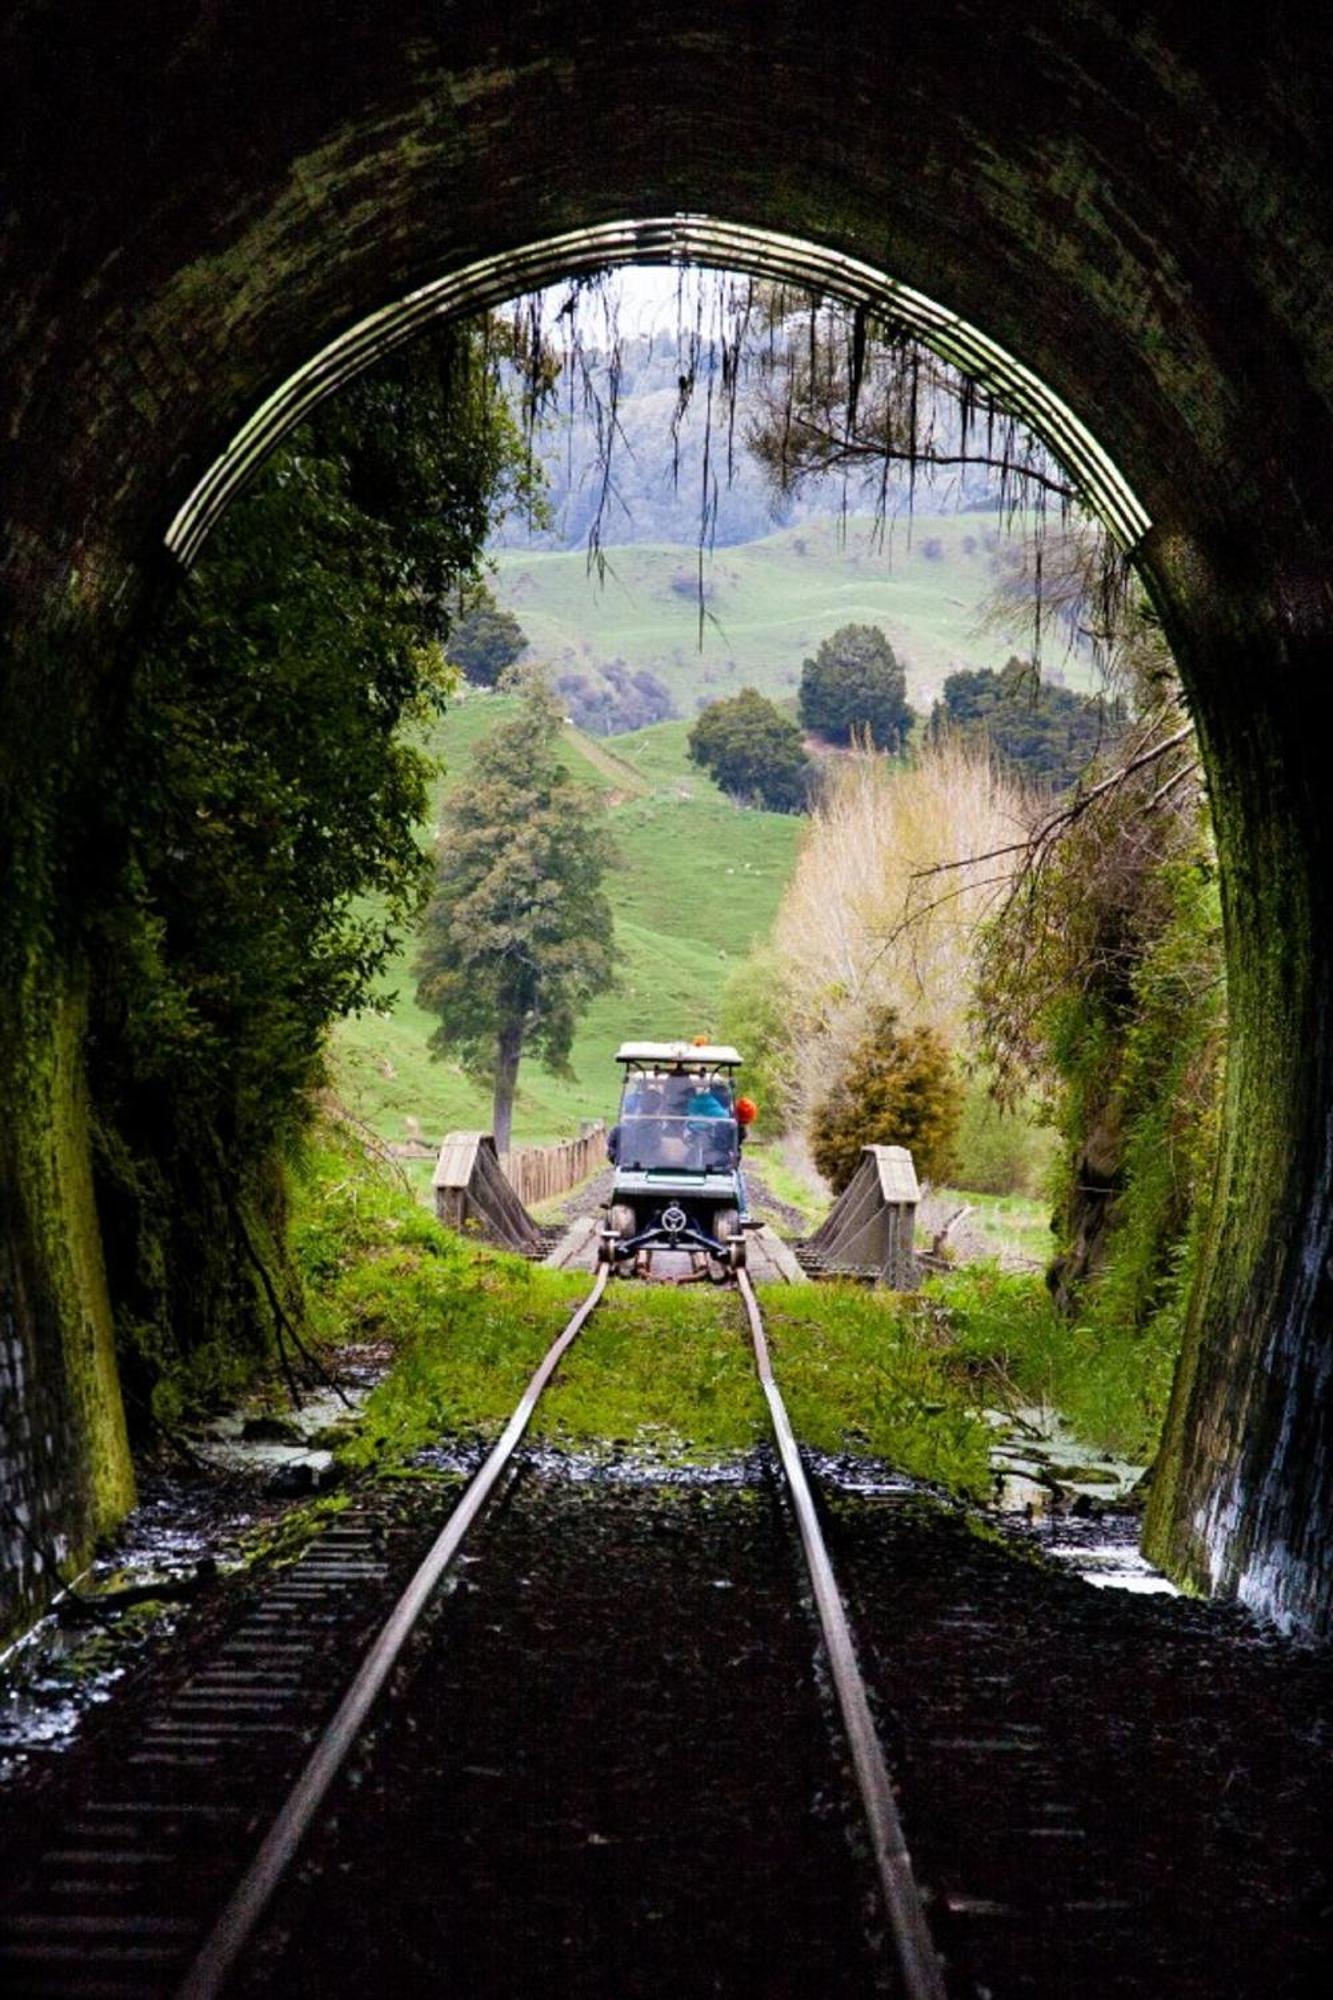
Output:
x,y
1169,293
775,262
679,241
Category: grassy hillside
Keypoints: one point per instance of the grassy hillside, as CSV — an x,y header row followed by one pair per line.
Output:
x,y
769,604
695,883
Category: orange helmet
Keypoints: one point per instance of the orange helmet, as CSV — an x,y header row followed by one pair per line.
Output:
x,y
746,1110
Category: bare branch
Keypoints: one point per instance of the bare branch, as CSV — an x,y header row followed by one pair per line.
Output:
x,y
1068,815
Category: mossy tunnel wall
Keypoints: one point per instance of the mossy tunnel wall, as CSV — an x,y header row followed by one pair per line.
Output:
x,y
1136,203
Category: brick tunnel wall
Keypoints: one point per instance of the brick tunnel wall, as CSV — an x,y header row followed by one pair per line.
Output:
x,y
1140,210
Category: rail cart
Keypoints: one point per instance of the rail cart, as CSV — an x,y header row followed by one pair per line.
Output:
x,y
676,1149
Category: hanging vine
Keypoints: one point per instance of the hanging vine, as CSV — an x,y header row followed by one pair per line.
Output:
x,y
812,387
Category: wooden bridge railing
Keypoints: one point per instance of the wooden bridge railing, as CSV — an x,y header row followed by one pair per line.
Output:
x,y
871,1225
477,1188
539,1173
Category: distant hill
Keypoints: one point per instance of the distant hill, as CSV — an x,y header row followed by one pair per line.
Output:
x,y
652,499
769,602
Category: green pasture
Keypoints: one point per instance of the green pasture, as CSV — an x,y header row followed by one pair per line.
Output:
x,y
769,603
696,882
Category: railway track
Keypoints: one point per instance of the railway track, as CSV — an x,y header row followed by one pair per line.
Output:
x,y
97,1921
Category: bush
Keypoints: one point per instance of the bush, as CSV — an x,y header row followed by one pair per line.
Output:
x,y
757,1006
615,699
898,1089
855,687
1044,732
753,752
485,643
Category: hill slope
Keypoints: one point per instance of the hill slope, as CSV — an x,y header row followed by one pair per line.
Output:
x,y
769,603
695,883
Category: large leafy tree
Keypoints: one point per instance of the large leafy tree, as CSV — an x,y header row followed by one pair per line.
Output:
x,y
752,750
255,842
855,687
517,938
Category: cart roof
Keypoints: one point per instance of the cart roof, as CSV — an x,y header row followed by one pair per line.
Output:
x,y
690,1055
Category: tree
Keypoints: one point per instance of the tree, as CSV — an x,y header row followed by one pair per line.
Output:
x,y
1100,982
898,1089
255,849
752,751
517,938
614,699
1048,733
851,393
484,643
855,686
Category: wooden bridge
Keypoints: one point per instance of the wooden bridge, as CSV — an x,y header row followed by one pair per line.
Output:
x,y
868,1232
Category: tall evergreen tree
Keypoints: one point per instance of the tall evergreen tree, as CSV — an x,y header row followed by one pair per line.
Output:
x,y
856,686
517,938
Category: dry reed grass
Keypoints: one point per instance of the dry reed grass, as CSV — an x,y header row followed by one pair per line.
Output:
x,y
869,921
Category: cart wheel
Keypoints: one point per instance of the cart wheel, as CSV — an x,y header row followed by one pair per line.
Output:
x,y
727,1229
619,1225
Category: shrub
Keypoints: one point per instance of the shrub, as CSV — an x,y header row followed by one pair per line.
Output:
x,y
485,643
752,751
1036,727
898,1089
855,687
756,1018
1001,1149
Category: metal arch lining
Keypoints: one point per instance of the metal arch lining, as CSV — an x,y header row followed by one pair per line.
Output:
x,y
682,240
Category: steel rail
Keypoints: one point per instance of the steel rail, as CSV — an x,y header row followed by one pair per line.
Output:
x,y
213,1964
917,1959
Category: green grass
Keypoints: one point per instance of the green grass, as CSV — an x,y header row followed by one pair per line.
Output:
x,y
859,1371
1013,1222
696,881
770,603
660,1370
1111,1386
764,1157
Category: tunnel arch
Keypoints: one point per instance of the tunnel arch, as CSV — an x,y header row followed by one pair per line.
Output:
x,y
1139,209
679,240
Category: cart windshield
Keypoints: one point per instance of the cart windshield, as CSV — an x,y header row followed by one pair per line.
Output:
x,y
683,1122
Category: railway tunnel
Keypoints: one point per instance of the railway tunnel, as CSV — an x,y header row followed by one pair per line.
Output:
x,y
1134,206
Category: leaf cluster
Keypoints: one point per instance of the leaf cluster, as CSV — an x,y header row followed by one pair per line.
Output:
x,y
855,689
1046,733
753,752
484,643
898,1088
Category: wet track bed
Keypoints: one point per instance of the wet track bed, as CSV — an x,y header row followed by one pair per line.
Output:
x,y
612,1772
608,1765
1106,1793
